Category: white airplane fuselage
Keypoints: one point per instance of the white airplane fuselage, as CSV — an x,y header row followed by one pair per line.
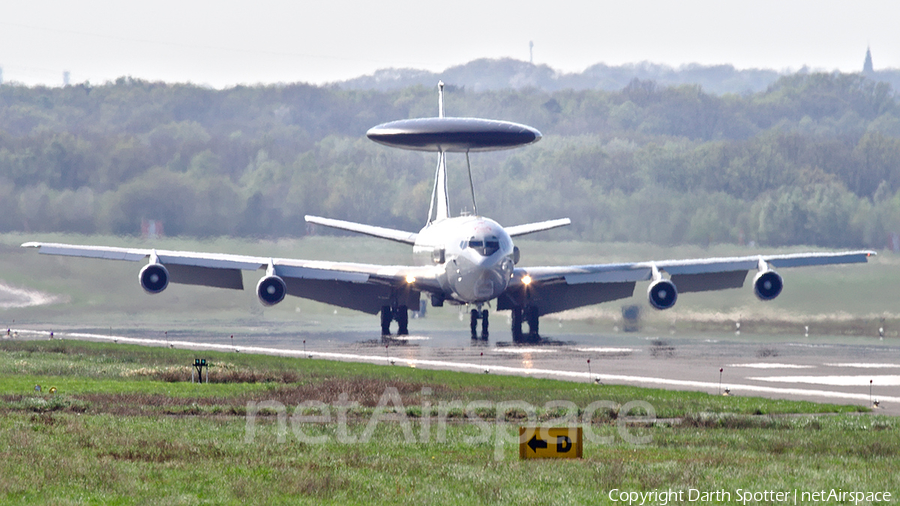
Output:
x,y
476,256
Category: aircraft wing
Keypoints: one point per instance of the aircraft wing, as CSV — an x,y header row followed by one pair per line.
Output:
x,y
554,289
363,287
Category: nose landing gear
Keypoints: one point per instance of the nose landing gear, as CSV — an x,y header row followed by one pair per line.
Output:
x,y
479,314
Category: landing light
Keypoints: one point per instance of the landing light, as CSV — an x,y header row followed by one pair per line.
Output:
x,y
410,279
526,280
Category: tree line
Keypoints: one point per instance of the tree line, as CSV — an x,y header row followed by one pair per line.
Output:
x,y
814,159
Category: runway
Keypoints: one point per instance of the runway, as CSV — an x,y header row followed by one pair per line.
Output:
x,y
835,369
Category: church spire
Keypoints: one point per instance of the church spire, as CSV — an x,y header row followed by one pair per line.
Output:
x,y
867,66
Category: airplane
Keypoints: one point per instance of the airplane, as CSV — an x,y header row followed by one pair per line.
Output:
x,y
466,260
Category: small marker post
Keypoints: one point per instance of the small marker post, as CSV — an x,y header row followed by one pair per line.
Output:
x,y
199,365
721,369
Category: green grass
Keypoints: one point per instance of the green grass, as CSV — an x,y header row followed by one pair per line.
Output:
x,y
67,459
114,435
80,367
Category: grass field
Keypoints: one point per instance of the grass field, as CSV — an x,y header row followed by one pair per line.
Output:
x,y
125,426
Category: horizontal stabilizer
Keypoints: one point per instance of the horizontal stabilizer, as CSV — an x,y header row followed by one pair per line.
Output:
x,y
384,233
530,228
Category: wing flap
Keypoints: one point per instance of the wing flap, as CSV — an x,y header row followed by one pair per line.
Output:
x,y
706,281
368,298
205,276
801,260
210,260
609,276
701,265
555,297
310,273
707,266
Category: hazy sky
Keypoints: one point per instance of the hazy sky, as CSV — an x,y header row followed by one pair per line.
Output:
x,y
224,42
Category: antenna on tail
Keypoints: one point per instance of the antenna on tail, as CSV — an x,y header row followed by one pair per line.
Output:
x,y
471,184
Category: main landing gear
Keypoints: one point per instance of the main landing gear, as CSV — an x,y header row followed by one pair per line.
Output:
x,y
479,314
400,315
521,315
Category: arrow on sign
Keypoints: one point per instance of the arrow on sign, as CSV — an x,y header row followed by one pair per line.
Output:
x,y
534,443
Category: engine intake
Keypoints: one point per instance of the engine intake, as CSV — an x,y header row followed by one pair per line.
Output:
x,y
271,290
767,285
154,278
662,294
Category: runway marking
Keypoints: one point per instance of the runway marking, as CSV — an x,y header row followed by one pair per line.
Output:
x,y
409,338
836,381
524,350
608,350
867,366
773,366
466,366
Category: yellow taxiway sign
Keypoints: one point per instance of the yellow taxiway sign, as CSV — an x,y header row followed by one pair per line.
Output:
x,y
550,442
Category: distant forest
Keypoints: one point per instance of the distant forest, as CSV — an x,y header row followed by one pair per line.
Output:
x,y
490,74
811,159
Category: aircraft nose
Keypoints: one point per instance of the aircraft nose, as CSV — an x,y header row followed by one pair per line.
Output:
x,y
485,286
482,280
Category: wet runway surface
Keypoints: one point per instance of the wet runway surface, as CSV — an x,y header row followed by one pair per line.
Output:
x,y
836,369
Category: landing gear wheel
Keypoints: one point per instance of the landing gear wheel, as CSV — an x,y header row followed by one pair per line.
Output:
x,y
473,323
517,324
531,315
484,324
386,317
402,317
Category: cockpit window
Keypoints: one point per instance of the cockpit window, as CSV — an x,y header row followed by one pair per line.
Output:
x,y
486,247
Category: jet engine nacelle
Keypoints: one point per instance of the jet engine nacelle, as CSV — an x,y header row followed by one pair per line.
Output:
x,y
154,278
767,285
662,294
271,290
